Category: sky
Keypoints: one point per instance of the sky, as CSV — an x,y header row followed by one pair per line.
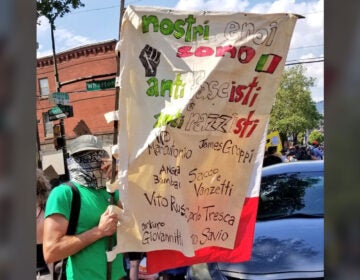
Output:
x,y
99,21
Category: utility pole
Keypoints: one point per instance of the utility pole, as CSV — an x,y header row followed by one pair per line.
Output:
x,y
38,157
58,86
38,145
117,96
115,139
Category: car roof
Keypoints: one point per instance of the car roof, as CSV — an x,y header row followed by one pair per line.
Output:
x,y
296,166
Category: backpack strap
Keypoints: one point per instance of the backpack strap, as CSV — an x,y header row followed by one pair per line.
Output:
x,y
75,209
59,268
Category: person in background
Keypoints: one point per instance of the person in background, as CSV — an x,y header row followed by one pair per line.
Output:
x,y
89,170
42,193
290,157
302,153
271,157
316,153
175,273
134,262
283,154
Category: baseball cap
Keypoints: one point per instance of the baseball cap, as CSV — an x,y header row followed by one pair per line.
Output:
x,y
85,142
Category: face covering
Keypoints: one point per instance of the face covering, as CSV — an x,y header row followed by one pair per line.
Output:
x,y
85,168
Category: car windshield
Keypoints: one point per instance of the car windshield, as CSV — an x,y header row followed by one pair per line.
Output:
x,y
291,194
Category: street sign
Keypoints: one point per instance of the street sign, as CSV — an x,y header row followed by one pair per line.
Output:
x,y
60,112
100,85
59,98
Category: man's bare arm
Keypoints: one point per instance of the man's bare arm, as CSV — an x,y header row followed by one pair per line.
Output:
x,y
57,245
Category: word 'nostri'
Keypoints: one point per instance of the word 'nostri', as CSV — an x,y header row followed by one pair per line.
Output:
x,y
186,28
178,28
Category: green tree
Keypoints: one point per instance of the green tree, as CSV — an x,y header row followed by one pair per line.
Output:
x,y
52,9
316,135
294,111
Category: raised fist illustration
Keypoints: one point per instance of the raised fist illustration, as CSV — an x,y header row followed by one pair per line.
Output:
x,y
150,59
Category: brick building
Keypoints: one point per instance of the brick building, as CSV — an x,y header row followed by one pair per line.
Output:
x,y
87,76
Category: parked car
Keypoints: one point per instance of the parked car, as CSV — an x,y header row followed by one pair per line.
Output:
x,y
289,232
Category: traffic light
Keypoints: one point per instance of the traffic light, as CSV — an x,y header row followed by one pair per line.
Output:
x,y
58,140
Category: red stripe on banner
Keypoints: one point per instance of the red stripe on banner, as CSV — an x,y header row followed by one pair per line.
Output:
x,y
274,63
166,259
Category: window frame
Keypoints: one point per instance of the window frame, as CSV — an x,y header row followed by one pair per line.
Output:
x,y
43,92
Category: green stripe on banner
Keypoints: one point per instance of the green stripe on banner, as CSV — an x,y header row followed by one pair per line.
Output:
x,y
261,63
272,65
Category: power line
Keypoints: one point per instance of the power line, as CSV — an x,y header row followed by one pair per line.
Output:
x,y
304,59
306,47
93,10
136,1
316,60
291,62
313,46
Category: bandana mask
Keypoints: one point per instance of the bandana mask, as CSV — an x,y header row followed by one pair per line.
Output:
x,y
85,168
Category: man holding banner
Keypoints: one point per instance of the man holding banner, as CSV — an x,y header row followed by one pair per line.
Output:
x,y
98,221
197,89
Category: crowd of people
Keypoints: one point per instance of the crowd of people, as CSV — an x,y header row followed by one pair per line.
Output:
x,y
315,151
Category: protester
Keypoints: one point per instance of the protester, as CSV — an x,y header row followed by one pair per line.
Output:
x,y
271,157
283,154
143,273
97,222
42,192
301,153
291,154
175,273
316,153
134,262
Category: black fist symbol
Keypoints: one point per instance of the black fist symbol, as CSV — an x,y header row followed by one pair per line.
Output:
x,y
150,59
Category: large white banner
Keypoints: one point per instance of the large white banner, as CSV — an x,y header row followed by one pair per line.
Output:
x,y
196,90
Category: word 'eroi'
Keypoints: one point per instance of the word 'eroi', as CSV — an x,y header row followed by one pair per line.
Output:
x,y
247,31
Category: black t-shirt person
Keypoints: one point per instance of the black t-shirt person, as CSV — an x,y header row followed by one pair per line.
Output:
x,y
271,157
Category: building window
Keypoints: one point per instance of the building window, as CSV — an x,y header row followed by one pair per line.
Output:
x,y
44,87
48,126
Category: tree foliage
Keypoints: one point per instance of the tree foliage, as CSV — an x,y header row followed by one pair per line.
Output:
x,y
294,111
316,135
52,9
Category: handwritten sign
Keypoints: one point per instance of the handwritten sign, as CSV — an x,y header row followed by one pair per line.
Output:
x,y
196,93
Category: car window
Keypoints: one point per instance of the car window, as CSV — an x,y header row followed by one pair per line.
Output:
x,y
291,194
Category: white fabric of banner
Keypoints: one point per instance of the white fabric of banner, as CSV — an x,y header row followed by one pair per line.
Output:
x,y
196,91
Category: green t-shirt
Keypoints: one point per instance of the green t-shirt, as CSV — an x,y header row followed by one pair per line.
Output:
x,y
91,262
